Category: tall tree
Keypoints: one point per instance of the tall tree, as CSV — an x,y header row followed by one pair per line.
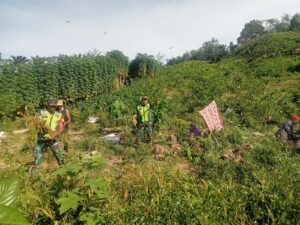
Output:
x,y
143,66
213,51
16,60
251,30
176,60
119,56
284,24
232,47
270,25
295,22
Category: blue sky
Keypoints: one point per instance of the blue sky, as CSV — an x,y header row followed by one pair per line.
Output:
x,y
168,27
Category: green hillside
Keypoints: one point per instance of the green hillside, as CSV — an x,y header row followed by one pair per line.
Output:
x,y
271,45
240,175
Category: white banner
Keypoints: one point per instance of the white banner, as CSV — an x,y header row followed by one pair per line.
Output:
x,y
212,117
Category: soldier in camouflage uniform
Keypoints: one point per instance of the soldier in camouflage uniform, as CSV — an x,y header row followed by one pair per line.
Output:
x,y
48,136
286,132
143,121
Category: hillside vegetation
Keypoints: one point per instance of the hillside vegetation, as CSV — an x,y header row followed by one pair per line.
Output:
x,y
271,45
240,175
26,86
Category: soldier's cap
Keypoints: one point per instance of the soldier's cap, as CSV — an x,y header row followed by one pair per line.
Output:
x,y
145,98
60,102
52,102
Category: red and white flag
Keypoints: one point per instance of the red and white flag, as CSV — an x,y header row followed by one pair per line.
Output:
x,y
212,117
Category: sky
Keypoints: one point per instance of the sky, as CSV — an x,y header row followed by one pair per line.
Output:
x,y
165,27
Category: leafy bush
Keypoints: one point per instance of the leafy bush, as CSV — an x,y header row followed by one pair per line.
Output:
x,y
143,66
8,105
9,191
273,67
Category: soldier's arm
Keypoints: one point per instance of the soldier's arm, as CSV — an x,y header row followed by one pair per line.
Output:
x,y
40,123
69,118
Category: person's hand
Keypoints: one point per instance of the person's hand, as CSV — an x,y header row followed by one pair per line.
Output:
x,y
134,120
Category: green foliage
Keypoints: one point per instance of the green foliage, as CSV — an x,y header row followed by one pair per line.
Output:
x,y
118,108
8,105
18,84
9,190
275,67
190,86
271,45
70,77
295,22
27,88
251,30
16,60
11,216
211,51
150,196
122,60
68,200
265,155
85,194
47,74
257,28
143,66
227,193
160,110
71,194
71,170
284,24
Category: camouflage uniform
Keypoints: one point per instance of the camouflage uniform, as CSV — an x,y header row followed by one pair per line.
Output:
x,y
144,122
286,131
52,121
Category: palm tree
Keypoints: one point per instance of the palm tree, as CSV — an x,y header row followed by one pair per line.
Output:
x,y
18,60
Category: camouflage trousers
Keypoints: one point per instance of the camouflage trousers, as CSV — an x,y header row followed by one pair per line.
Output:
x,y
42,145
144,132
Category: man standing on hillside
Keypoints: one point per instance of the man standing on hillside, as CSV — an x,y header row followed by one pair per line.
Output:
x,y
67,120
143,121
48,136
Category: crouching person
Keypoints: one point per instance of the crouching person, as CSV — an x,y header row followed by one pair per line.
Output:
x,y
286,132
48,136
